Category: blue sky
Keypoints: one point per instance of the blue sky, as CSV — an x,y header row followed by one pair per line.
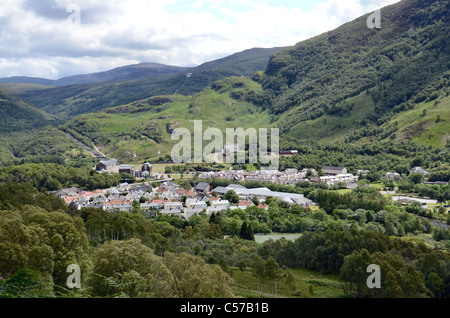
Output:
x,y
37,40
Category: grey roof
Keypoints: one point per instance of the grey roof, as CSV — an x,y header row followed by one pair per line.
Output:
x,y
289,197
221,190
235,186
109,162
332,168
201,186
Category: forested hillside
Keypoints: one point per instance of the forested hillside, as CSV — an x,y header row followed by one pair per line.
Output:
x,y
368,75
16,114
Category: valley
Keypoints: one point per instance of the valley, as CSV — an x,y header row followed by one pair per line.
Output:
x,y
87,174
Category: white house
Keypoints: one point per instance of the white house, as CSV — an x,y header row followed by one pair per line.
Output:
x,y
190,212
392,175
149,206
220,204
195,204
123,206
173,206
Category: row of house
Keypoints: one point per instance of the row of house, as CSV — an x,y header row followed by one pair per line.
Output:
x,y
287,177
190,208
333,176
349,179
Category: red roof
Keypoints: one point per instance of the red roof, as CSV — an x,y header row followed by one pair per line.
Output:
x,y
70,199
159,201
245,203
117,202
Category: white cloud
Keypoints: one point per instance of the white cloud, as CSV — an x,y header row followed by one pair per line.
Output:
x,y
35,39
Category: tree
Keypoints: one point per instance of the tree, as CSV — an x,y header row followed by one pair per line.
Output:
x,y
191,277
291,282
435,284
246,232
259,271
232,197
44,241
129,267
272,272
417,178
224,266
242,266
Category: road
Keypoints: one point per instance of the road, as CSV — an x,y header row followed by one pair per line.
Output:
x,y
97,154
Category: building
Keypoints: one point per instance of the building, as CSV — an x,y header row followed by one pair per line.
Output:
x,y
332,171
220,204
392,175
125,169
107,165
288,152
123,206
191,212
173,206
202,187
147,168
196,204
419,170
262,193
159,203
230,148
245,204
363,173
149,206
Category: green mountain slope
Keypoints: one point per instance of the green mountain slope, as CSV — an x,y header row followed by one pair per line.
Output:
x,y
354,77
16,114
142,130
69,101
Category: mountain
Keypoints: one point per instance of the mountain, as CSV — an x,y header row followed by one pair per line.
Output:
x,y
26,80
142,130
355,79
16,114
124,73
131,72
352,85
69,101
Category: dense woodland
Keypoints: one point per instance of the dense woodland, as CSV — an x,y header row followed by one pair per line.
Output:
x,y
163,256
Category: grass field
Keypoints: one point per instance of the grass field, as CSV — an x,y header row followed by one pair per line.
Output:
x,y
422,124
323,286
262,238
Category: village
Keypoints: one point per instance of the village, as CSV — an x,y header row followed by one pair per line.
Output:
x,y
152,194
169,198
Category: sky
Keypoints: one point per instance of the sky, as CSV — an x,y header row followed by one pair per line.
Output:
x,y
58,38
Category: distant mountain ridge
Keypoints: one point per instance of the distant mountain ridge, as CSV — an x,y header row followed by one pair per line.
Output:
x,y
129,72
68,101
